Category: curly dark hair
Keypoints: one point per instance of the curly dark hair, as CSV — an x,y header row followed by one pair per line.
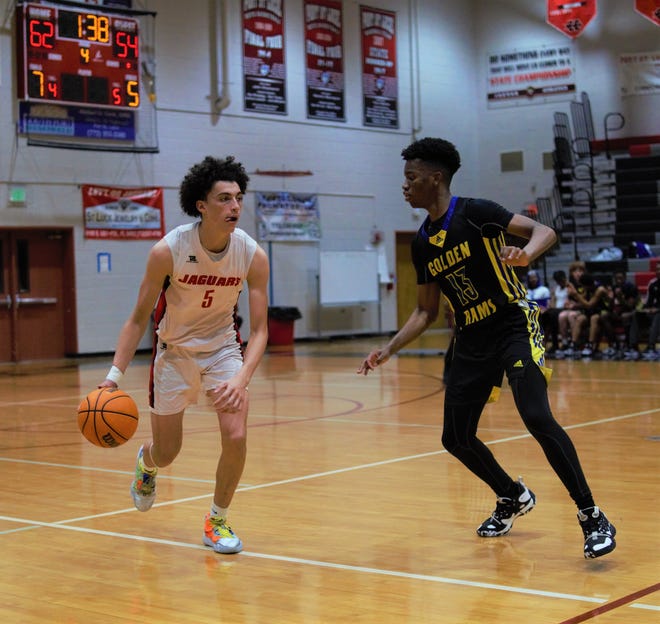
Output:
x,y
436,152
201,177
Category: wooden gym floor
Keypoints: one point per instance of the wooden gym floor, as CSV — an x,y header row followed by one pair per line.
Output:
x,y
349,509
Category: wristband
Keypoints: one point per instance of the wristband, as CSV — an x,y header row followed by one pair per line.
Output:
x,y
114,375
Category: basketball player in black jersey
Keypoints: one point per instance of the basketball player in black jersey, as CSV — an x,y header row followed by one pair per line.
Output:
x,y
460,251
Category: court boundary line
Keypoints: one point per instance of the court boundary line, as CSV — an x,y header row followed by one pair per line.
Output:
x,y
393,460
614,604
330,565
68,524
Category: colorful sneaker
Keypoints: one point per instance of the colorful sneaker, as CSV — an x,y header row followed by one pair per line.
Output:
x,y
219,536
506,511
598,532
143,488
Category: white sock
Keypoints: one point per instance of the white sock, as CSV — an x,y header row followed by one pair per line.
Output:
x,y
144,467
219,511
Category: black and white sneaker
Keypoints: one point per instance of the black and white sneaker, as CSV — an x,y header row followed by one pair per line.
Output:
x,y
598,532
506,511
650,355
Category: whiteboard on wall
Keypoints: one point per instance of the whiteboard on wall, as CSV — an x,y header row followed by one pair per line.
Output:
x,y
348,277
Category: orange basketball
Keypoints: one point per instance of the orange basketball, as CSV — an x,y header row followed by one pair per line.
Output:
x,y
108,417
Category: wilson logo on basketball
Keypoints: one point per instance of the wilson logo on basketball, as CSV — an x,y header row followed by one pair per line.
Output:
x,y
209,280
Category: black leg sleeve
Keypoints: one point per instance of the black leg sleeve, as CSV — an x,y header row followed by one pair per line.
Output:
x,y
530,394
459,437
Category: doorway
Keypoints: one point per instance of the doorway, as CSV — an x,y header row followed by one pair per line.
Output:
x,y
37,294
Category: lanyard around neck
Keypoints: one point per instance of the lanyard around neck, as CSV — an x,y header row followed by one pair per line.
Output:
x,y
439,239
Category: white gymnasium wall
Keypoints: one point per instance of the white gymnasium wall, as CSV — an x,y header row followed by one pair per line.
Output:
x,y
442,52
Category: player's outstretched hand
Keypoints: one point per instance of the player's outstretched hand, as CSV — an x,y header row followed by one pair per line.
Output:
x,y
375,358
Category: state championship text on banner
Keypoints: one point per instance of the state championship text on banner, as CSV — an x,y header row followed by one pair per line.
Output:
x,y
283,216
123,213
531,76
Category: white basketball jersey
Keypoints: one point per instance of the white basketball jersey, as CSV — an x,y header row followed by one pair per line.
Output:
x,y
197,308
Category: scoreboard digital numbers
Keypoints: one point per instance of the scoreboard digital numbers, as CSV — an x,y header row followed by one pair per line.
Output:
x,y
78,56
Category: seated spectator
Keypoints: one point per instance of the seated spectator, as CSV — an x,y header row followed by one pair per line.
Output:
x,y
570,330
624,297
594,302
550,318
647,316
584,301
536,291
601,314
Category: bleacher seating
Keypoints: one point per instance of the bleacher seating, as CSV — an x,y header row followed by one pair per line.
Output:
x,y
599,202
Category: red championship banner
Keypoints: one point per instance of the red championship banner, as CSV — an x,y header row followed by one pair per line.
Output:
x,y
264,70
379,79
123,213
571,17
324,55
650,9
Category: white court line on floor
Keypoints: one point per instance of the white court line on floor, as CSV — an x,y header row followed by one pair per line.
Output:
x,y
66,524
247,488
338,566
322,564
339,470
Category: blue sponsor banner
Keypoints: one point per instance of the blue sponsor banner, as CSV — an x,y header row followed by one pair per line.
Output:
x,y
76,122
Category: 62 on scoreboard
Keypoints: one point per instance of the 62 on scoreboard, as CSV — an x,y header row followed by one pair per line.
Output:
x,y
76,56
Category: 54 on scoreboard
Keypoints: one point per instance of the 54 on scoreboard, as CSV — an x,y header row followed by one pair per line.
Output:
x,y
78,56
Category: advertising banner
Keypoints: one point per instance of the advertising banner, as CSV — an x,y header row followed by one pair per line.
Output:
x,y
264,69
283,216
39,118
379,72
123,213
324,54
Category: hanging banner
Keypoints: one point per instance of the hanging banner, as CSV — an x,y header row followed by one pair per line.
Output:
x,y
569,17
650,9
123,213
264,70
639,73
531,76
283,216
379,79
324,60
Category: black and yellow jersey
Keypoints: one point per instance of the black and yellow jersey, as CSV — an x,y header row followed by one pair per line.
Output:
x,y
461,252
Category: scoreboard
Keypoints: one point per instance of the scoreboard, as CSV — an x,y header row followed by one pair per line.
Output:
x,y
78,56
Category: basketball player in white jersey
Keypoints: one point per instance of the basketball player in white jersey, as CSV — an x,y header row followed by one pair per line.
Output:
x,y
194,276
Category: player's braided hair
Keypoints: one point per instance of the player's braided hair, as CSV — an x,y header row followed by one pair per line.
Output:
x,y
201,177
